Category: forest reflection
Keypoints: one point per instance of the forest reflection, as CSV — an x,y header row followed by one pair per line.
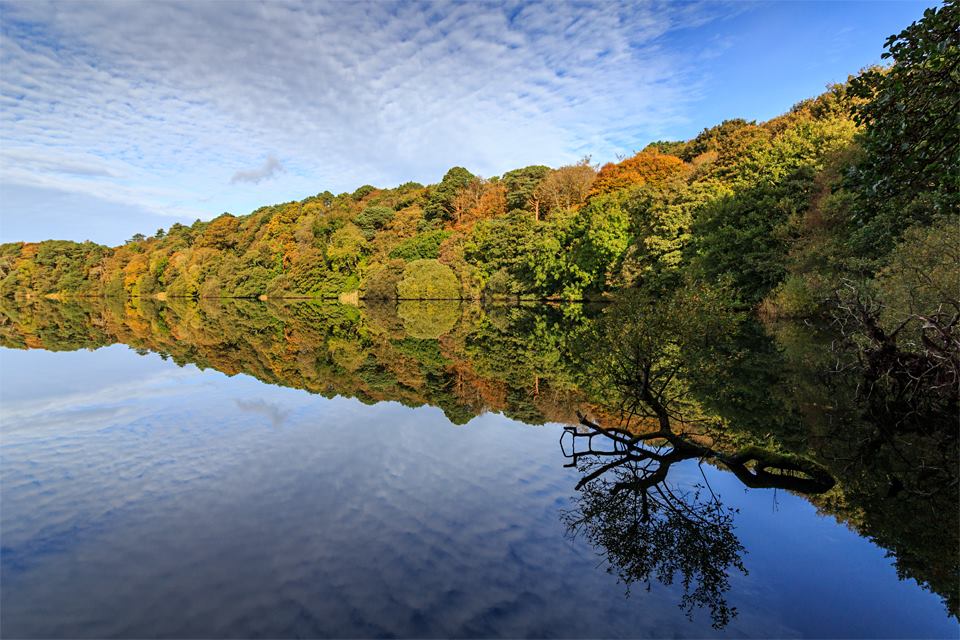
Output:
x,y
639,386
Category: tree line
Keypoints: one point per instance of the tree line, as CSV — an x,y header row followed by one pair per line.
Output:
x,y
846,205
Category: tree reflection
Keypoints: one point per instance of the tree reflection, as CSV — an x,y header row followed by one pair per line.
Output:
x,y
680,376
650,356
895,461
650,530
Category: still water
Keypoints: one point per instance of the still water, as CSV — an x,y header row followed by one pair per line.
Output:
x,y
192,486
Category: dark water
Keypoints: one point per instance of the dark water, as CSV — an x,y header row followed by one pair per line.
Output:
x,y
383,491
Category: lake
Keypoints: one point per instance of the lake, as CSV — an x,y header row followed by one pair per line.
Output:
x,y
246,469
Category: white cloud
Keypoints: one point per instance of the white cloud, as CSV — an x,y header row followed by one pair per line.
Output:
x,y
152,103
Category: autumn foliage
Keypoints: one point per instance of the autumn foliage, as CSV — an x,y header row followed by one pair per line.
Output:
x,y
645,168
783,210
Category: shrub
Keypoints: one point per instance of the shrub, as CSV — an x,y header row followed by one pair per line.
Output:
x,y
428,280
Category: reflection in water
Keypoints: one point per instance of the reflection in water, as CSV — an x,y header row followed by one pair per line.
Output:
x,y
464,360
276,414
687,371
648,528
683,379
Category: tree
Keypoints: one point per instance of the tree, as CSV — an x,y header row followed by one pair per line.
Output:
x,y
660,221
520,185
491,203
441,205
466,199
647,167
363,192
428,280
345,247
421,246
565,188
910,171
713,138
382,283
599,236
500,243
671,147
904,326
220,233
740,238
374,218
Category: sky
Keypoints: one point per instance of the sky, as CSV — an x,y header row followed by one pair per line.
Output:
x,y
124,117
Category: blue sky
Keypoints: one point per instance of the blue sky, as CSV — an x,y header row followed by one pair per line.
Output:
x,y
125,117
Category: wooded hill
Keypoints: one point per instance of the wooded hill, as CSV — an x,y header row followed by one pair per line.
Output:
x,y
859,184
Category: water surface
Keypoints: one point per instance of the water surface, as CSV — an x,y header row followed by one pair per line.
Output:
x,y
332,474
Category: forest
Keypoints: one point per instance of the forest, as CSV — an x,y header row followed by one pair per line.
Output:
x,y
842,212
849,196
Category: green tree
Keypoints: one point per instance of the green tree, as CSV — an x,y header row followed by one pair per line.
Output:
x,y
500,243
428,280
599,236
521,184
345,248
910,171
442,200
374,218
420,247
740,238
363,192
382,283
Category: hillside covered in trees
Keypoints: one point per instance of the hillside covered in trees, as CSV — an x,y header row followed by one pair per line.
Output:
x,y
859,184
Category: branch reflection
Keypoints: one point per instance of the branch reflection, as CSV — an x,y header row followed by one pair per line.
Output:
x,y
649,529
